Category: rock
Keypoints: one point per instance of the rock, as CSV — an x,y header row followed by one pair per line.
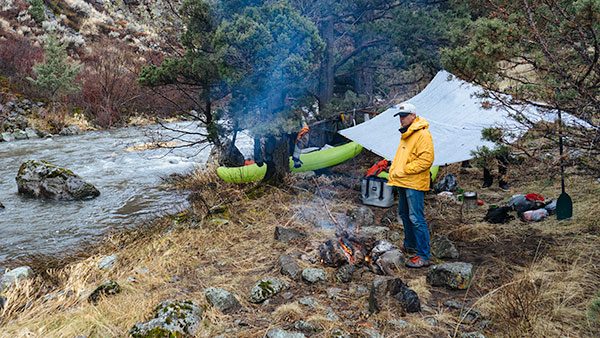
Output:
x,y
456,275
426,308
391,261
375,231
171,319
360,290
289,267
281,333
6,137
392,292
345,273
395,236
398,323
266,288
2,205
70,131
31,133
332,316
19,134
45,180
307,327
369,332
314,275
333,293
42,133
442,247
361,216
222,299
451,303
107,262
286,235
339,333
473,334
15,275
20,122
107,288
308,301
219,221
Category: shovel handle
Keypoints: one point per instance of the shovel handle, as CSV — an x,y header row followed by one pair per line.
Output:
x,y
560,149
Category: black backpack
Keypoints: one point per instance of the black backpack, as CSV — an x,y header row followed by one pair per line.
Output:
x,y
498,215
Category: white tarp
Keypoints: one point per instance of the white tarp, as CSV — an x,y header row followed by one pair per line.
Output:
x,y
455,117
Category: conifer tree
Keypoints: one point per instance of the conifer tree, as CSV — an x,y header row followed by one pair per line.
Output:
x,y
56,74
37,10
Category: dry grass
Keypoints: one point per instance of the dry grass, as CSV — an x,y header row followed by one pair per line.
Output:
x,y
531,279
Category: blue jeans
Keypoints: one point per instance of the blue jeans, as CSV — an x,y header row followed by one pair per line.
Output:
x,y
416,232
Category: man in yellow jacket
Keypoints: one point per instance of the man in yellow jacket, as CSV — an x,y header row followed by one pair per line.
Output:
x,y
410,173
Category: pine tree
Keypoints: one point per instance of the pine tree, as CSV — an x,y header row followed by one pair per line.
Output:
x,y
56,74
37,10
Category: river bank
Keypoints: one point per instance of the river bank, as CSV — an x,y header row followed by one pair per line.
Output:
x,y
228,239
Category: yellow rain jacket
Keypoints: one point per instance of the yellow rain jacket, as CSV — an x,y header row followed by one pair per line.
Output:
x,y
414,157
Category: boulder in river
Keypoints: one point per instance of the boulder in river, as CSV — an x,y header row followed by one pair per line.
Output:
x,y
46,180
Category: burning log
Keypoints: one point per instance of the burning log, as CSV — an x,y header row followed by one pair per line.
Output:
x,y
347,248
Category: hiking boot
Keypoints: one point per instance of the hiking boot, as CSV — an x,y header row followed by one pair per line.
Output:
x,y
503,186
417,262
485,185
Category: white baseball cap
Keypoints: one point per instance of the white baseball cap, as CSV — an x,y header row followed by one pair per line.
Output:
x,y
405,109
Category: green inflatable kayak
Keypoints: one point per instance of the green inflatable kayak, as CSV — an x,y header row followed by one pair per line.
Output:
x,y
311,161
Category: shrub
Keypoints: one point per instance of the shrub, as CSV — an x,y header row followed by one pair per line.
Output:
x,y
17,56
111,93
37,11
593,310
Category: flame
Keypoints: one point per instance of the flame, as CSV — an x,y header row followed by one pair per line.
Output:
x,y
347,252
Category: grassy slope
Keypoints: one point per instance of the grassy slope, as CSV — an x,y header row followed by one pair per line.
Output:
x,y
532,279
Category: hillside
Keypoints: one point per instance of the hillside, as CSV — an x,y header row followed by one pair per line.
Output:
x,y
111,40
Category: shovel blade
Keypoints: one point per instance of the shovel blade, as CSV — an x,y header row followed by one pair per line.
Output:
x,y
564,207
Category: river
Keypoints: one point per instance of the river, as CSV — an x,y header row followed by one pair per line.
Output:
x,y
129,182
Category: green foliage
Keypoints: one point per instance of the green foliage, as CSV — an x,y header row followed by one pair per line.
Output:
x,y
487,42
483,156
196,72
267,54
56,74
37,10
198,66
593,310
544,55
349,103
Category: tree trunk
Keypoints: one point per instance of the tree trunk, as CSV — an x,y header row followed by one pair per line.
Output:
x,y
363,79
363,76
327,72
278,163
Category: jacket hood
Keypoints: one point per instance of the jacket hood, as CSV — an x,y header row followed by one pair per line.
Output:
x,y
417,124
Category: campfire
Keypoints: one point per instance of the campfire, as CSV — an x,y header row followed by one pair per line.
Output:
x,y
345,248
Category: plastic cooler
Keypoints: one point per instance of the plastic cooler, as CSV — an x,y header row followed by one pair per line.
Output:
x,y
376,192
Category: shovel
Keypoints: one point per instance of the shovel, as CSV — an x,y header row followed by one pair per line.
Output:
x,y
564,204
